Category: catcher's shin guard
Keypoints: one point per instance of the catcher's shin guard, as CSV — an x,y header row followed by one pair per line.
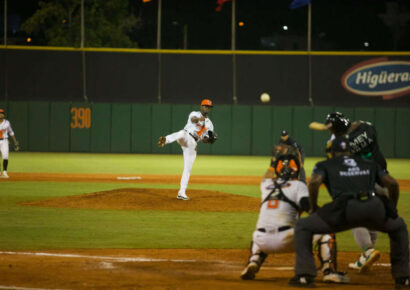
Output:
x,y
327,252
255,261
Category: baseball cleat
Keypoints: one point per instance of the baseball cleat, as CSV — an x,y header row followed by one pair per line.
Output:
x,y
161,141
4,175
333,277
182,197
366,261
250,271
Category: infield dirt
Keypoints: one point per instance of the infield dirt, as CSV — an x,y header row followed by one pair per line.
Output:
x,y
160,268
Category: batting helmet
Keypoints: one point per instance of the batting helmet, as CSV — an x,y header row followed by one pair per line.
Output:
x,y
206,102
287,167
339,122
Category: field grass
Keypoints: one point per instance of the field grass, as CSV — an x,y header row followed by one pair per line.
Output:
x,y
37,228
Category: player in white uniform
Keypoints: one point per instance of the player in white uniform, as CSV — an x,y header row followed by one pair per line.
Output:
x,y
5,132
198,128
283,200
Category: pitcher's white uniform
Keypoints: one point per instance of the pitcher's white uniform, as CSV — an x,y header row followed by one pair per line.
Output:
x,y
188,139
5,132
275,215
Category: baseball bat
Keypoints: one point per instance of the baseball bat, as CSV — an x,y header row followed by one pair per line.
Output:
x,y
319,126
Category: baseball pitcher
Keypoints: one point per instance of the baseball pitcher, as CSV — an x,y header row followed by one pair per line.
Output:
x,y
283,200
198,128
5,132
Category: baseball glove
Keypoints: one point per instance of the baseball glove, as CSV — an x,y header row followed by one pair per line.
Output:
x,y
211,138
17,147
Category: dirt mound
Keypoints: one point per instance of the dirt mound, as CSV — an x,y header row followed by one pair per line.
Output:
x,y
147,178
154,199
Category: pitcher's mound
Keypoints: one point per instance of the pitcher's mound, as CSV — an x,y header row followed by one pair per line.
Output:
x,y
155,199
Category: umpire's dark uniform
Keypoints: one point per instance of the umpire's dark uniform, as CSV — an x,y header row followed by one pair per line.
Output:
x,y
350,181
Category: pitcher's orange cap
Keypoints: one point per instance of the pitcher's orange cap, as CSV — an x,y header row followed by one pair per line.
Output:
x,y
1,111
206,102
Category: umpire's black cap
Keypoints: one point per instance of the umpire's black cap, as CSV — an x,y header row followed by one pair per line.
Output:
x,y
340,144
284,133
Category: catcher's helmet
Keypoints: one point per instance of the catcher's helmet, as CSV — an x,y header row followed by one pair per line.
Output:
x,y
287,167
206,102
339,122
339,144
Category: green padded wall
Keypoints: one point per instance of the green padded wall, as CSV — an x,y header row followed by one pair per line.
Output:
x,y
39,126
365,114
160,126
261,130
281,120
17,113
80,137
222,120
100,128
402,139
121,128
302,116
320,138
241,130
384,122
59,127
141,138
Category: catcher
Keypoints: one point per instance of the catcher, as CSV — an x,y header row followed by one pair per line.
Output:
x,y
198,128
5,132
283,199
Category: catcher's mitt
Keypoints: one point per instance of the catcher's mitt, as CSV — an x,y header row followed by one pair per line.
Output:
x,y
17,147
211,138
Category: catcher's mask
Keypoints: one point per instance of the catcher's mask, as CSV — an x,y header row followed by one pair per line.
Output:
x,y
287,167
340,123
339,144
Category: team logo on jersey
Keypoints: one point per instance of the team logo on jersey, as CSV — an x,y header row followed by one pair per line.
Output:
x,y
350,162
378,77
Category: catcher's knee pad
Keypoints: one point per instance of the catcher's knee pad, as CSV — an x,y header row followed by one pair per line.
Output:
x,y
327,252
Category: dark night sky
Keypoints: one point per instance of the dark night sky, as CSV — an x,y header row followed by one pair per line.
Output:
x,y
194,24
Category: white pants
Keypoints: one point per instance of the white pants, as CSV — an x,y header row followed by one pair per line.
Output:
x,y
188,145
275,242
4,148
271,242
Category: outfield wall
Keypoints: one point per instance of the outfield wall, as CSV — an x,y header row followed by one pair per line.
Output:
x,y
135,128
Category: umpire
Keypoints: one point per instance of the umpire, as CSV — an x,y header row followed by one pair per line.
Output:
x,y
350,181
